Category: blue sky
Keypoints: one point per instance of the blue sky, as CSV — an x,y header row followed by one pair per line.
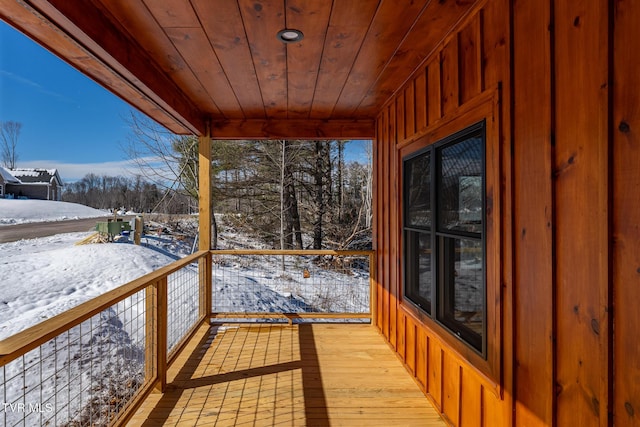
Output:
x,y
68,121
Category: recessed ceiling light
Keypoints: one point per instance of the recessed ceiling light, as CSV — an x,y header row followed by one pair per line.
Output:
x,y
289,35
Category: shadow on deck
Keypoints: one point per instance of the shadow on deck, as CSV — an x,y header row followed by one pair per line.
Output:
x,y
319,375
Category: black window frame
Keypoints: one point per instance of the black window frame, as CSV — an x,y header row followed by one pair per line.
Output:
x,y
435,307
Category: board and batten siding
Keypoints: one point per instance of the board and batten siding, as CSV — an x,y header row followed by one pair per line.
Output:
x,y
564,216
625,218
468,71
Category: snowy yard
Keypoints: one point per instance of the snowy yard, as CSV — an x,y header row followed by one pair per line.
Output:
x,y
13,211
73,378
44,277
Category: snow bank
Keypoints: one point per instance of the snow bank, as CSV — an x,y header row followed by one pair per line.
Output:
x,y
40,278
15,211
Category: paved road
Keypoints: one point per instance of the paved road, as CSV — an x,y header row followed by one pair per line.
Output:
x,y
11,233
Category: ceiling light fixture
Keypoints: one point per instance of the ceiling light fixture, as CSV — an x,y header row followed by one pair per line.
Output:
x,y
289,35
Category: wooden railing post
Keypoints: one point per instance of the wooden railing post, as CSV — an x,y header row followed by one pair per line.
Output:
x,y
204,266
161,334
151,323
156,333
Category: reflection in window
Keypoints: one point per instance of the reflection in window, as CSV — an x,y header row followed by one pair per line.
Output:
x,y
460,186
418,179
419,273
462,307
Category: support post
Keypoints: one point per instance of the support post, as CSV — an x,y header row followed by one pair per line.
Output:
x,y
205,212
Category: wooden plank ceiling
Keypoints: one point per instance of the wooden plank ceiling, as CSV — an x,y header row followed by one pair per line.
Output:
x,y
188,62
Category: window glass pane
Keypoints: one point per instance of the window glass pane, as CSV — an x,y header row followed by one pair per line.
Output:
x,y
460,186
424,265
462,280
418,269
418,191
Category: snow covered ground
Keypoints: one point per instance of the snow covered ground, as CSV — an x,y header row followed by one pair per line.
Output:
x,y
16,211
77,374
43,277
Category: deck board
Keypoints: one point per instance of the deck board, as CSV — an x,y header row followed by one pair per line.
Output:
x,y
321,375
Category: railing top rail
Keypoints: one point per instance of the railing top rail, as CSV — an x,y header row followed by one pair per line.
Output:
x,y
291,252
25,341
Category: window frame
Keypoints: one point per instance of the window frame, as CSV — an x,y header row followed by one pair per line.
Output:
x,y
485,107
436,307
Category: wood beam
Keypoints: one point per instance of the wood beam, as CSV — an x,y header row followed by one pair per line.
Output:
x,y
294,129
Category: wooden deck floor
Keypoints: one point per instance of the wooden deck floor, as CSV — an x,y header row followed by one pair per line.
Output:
x,y
280,375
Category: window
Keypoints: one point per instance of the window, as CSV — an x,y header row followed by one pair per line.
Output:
x,y
444,234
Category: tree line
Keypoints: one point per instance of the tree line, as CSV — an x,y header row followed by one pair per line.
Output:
x,y
135,193
294,194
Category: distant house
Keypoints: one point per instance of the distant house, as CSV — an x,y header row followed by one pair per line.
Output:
x,y
42,184
6,178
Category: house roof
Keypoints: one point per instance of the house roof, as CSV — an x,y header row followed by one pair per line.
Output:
x,y
36,176
188,64
8,177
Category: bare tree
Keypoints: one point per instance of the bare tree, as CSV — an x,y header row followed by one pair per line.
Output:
x,y
321,174
170,161
367,194
151,148
281,159
340,183
9,133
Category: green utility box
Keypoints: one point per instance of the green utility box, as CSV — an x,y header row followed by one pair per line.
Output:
x,y
113,227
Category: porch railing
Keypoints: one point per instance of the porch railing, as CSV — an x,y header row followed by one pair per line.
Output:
x,y
94,364
291,284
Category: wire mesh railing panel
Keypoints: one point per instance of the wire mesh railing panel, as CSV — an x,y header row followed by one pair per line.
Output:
x,y
244,283
84,376
183,296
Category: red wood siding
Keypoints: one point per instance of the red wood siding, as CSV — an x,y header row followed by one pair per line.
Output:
x,y
563,183
626,214
452,78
